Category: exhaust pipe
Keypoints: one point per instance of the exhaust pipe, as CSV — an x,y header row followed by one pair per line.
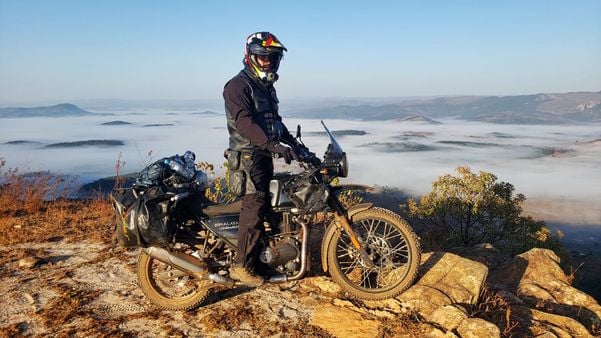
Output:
x,y
186,263
304,259
228,282
278,279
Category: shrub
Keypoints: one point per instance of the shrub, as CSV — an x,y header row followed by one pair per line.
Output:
x,y
470,208
219,190
26,192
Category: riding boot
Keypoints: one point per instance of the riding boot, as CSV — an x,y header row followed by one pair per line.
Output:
x,y
245,275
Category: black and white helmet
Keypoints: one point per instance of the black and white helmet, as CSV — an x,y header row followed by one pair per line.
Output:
x,y
269,49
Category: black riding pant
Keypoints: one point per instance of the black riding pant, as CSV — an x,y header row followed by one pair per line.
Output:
x,y
254,208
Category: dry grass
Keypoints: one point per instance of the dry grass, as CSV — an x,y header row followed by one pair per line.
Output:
x,y
496,309
34,208
405,325
119,179
72,220
348,198
219,191
571,276
227,319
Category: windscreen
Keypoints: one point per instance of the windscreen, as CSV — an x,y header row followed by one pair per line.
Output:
x,y
335,146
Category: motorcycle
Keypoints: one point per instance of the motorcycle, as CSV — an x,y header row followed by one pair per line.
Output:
x,y
371,252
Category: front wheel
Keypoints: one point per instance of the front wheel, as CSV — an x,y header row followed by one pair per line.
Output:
x,y
391,245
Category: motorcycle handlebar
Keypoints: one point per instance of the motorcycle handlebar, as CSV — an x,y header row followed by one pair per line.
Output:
x,y
179,196
304,155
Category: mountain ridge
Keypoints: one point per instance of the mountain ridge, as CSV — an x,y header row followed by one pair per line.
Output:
x,y
554,108
58,110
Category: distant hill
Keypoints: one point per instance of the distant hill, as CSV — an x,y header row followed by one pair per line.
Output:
x,y
115,123
518,109
418,119
207,113
340,133
86,143
59,110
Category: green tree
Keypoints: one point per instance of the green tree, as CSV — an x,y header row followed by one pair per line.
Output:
x,y
470,208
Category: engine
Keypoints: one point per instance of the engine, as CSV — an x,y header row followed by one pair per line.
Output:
x,y
282,255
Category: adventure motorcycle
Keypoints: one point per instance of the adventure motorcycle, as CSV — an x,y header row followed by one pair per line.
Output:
x,y
371,252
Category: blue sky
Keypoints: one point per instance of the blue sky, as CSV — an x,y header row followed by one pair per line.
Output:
x,y
67,50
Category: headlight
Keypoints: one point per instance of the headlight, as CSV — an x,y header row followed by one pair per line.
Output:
x,y
343,166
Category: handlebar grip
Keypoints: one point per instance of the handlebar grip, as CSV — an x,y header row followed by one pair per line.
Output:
x,y
179,196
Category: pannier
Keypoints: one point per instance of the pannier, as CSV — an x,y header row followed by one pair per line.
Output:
x,y
143,213
307,196
143,217
126,205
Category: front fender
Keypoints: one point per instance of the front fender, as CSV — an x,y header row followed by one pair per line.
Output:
x,y
332,228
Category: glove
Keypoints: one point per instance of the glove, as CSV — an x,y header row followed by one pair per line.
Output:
x,y
302,150
283,151
314,160
307,156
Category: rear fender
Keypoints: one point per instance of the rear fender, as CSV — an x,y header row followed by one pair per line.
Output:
x,y
332,228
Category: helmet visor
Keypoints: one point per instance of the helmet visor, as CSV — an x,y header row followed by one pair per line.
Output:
x,y
256,48
267,63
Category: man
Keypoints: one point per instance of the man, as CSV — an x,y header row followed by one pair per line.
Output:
x,y
255,130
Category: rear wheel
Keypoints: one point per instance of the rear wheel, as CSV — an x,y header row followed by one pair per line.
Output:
x,y
169,288
391,245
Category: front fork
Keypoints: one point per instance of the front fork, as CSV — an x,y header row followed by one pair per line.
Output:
x,y
342,222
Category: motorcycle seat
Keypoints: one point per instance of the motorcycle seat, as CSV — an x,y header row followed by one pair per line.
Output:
x,y
222,209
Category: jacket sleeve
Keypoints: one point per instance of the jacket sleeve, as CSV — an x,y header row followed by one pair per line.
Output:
x,y
238,101
286,136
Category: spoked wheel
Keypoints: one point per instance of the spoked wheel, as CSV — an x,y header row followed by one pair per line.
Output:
x,y
169,288
391,245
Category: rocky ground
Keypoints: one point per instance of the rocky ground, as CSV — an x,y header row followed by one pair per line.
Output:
x,y
87,289
64,278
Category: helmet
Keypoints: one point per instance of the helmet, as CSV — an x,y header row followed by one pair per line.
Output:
x,y
262,55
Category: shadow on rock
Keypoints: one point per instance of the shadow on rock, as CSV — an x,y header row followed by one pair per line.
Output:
x,y
532,291
225,294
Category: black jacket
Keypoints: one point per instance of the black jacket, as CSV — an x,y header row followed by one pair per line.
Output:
x,y
251,108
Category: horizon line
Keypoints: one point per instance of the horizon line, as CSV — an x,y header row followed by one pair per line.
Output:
x,y
5,103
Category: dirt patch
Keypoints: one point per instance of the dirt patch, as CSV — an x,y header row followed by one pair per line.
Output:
x,y
61,276
91,289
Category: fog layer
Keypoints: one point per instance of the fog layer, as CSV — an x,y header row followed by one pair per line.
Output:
x,y
557,167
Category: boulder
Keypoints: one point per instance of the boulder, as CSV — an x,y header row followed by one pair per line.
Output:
x,y
546,286
477,328
546,335
30,262
561,326
447,316
324,284
445,279
344,322
431,331
538,292
544,324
